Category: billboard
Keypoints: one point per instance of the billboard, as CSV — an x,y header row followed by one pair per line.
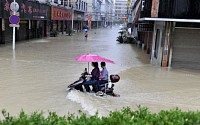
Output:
x,y
60,14
27,10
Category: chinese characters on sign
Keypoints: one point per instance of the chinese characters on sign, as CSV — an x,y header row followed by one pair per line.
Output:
x,y
23,8
60,14
28,9
7,6
145,27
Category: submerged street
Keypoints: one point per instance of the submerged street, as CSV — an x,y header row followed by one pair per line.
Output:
x,y
35,77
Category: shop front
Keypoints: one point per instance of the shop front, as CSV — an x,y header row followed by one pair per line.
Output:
x,y
34,20
60,19
78,20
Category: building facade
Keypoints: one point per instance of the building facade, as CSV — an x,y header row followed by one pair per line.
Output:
x,y
77,8
174,25
107,12
121,10
94,10
34,21
38,18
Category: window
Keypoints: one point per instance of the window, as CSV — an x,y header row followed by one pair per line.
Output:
x,y
79,7
82,6
86,6
56,1
65,2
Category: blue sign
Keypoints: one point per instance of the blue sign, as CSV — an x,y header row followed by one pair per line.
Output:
x,y
14,19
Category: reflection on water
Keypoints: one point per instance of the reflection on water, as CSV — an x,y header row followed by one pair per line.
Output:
x,y
36,75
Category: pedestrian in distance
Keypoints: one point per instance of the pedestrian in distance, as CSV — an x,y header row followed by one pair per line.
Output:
x,y
86,34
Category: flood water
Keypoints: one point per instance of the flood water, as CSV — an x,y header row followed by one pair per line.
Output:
x,y
35,76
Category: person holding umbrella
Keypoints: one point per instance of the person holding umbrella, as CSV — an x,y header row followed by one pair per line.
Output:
x,y
94,77
86,34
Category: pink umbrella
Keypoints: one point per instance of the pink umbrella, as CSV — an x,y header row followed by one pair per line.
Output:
x,y
92,58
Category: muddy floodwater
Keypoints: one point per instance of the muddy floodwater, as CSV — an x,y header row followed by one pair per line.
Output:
x,y
35,76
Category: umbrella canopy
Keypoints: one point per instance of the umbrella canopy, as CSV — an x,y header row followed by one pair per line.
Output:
x,y
92,58
85,29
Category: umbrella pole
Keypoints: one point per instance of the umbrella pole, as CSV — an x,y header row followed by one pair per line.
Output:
x,y
88,67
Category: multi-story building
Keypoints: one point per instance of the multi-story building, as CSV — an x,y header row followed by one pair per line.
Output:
x,y
169,31
94,9
101,12
121,9
76,8
107,12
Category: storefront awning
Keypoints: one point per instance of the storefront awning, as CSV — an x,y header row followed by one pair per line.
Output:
x,y
170,19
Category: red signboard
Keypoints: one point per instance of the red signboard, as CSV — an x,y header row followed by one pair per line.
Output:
x,y
60,14
89,20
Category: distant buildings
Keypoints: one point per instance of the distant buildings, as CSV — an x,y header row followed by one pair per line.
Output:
x,y
121,9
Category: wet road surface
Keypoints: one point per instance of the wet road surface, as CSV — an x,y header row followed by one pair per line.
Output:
x,y
36,75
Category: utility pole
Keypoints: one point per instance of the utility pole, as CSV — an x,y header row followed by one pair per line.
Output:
x,y
14,31
72,6
72,19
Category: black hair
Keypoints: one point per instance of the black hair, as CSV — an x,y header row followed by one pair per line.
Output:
x,y
95,64
103,64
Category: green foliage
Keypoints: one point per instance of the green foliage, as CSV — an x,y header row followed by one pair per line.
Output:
x,y
54,33
126,116
69,31
120,39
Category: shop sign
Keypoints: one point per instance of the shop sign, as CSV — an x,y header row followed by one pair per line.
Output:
x,y
145,27
27,10
60,14
78,16
125,19
155,8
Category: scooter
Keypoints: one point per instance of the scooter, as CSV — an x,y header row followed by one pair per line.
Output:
x,y
106,88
